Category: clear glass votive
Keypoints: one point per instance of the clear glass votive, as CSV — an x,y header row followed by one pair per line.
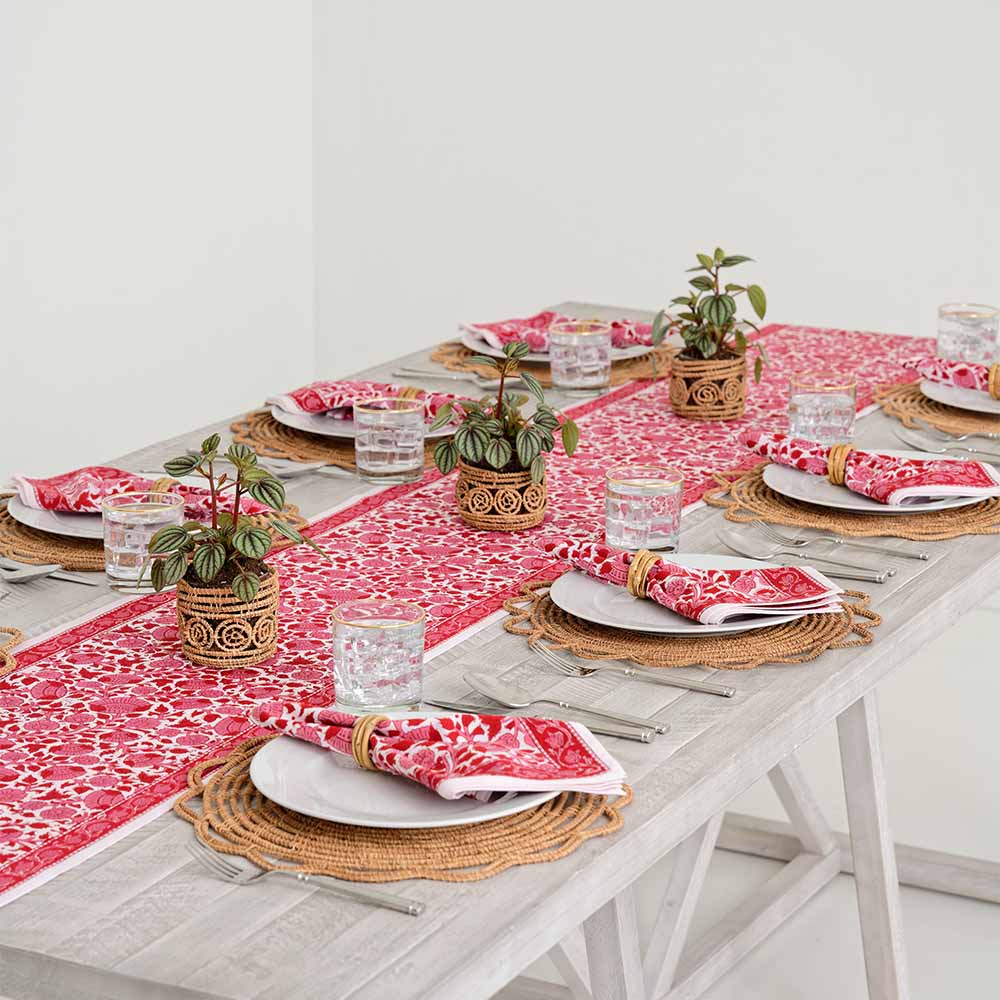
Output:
x,y
580,355
968,332
389,440
642,507
822,406
130,520
378,655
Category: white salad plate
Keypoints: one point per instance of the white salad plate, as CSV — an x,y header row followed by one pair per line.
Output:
x,y
476,343
329,785
818,490
56,522
317,423
963,399
604,604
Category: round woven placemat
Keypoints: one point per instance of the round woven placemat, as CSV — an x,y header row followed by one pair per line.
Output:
x,y
14,636
234,818
455,356
267,437
908,404
534,616
28,545
746,497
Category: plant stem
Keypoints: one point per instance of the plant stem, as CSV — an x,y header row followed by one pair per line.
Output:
x,y
211,486
236,500
503,375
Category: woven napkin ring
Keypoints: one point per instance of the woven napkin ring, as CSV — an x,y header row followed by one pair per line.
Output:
x,y
836,463
361,737
409,392
638,569
162,485
995,381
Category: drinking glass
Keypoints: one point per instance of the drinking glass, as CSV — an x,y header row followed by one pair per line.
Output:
x,y
580,355
968,332
389,440
378,655
821,406
642,507
130,520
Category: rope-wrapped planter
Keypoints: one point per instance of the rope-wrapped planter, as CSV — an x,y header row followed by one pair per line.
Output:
x,y
708,388
499,501
217,629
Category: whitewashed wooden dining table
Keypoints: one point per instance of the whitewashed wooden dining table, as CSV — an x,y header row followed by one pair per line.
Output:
x,y
139,919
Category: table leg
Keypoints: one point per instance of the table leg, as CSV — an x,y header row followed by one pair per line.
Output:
x,y
874,857
613,950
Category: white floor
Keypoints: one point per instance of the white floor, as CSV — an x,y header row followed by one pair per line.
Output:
x,y
939,733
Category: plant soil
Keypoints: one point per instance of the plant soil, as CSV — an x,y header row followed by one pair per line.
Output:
x,y
227,575
725,354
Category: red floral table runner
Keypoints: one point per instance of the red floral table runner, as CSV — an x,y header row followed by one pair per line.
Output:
x,y
101,721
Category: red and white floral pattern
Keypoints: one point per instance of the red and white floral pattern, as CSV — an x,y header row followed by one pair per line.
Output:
x,y
960,374
101,721
464,754
534,331
884,478
82,490
336,399
709,596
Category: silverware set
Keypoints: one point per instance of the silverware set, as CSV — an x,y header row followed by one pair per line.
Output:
x,y
945,444
12,571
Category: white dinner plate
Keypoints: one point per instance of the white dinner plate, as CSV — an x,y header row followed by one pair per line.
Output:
x,y
963,399
328,785
317,423
820,491
593,601
476,343
56,523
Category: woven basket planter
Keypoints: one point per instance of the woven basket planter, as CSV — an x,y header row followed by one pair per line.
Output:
x,y
499,501
219,630
708,389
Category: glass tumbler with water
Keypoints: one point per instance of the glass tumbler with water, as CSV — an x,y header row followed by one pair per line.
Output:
x,y
130,520
822,406
378,655
580,355
968,332
389,440
642,507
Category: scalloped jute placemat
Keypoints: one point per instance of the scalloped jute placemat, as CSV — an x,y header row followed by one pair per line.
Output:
x,y
455,356
908,404
234,818
14,636
29,545
746,497
267,437
535,617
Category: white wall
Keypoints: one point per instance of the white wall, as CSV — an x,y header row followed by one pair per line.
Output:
x,y
475,159
155,219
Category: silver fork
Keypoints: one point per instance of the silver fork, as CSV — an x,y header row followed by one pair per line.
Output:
x,y
941,435
241,871
914,441
800,543
551,657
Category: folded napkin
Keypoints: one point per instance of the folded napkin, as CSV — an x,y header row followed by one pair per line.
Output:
x,y
459,754
336,399
960,374
709,596
883,478
82,491
534,331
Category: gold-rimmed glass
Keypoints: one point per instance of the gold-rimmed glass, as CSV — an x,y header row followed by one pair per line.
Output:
x,y
130,520
378,654
822,406
580,355
389,439
968,331
642,507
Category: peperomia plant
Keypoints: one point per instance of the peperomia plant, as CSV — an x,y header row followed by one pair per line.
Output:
x,y
707,321
495,434
232,548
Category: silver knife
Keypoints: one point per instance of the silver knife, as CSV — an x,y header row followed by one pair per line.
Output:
x,y
604,729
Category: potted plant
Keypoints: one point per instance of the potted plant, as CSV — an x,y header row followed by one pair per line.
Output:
x,y
227,596
500,452
708,377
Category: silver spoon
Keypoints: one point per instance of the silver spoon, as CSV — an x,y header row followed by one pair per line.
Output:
x,y
941,435
922,445
513,697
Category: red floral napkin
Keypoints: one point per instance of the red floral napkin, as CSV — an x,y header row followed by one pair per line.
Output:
x,y
460,754
960,374
534,331
883,478
709,596
82,491
336,399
